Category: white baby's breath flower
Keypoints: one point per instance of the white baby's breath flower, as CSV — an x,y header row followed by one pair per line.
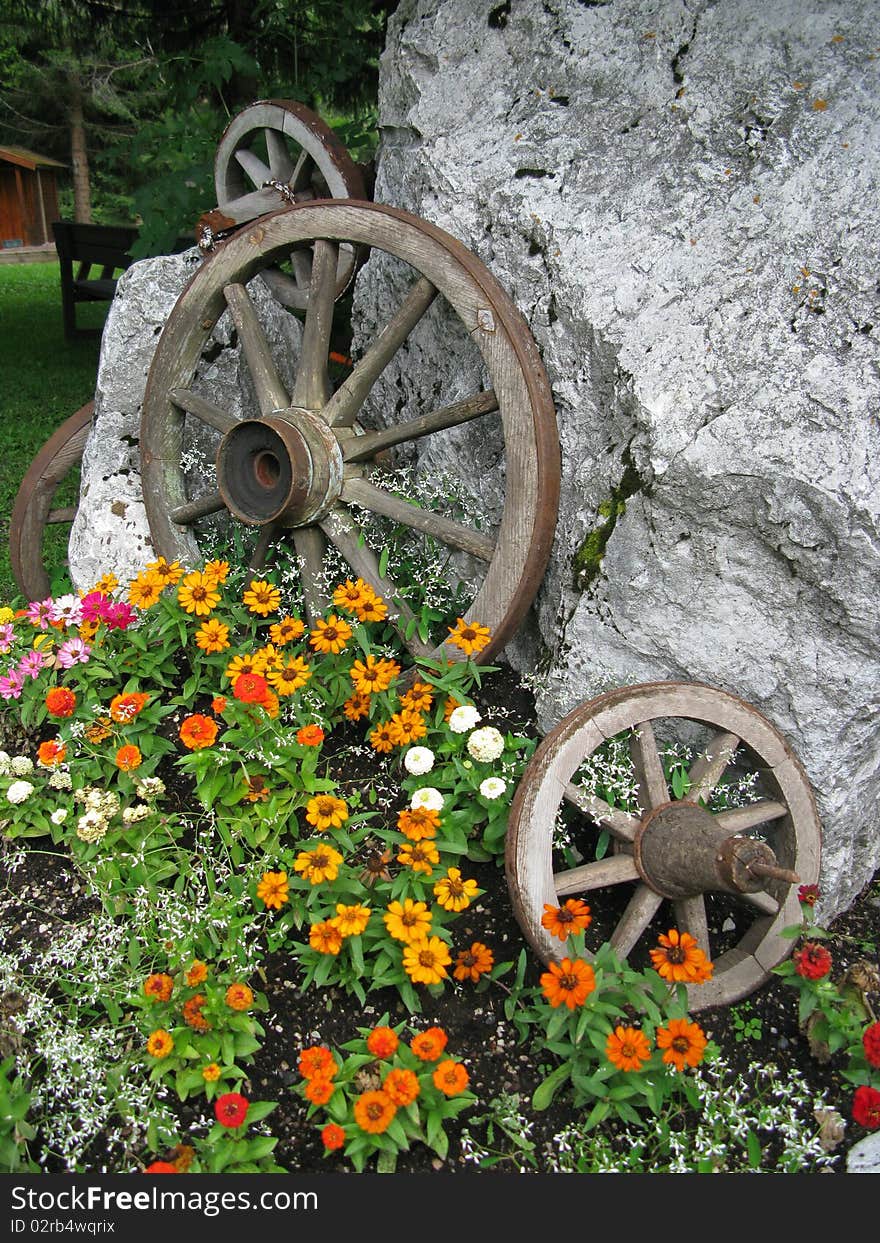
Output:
x,y
19,791
463,718
21,765
486,744
428,797
59,815
418,761
492,787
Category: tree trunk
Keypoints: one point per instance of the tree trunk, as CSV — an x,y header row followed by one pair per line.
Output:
x,y
79,160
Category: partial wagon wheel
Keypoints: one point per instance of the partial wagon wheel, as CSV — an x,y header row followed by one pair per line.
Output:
x,y
675,849
278,151
32,511
303,466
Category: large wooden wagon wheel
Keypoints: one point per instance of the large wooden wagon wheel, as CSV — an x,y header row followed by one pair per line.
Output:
x,y
277,151
674,850
303,467
33,509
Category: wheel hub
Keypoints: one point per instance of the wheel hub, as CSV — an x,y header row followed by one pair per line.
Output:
x,y
286,469
680,852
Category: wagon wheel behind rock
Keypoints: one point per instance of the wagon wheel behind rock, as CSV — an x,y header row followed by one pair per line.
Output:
x,y
303,467
278,151
676,849
33,509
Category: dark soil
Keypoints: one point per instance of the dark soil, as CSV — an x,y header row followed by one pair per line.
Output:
x,y
43,891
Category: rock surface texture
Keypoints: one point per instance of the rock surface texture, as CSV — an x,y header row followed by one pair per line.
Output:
x,y
681,198
110,531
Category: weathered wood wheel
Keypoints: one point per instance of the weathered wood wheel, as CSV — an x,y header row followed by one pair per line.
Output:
x,y
674,850
33,509
277,151
303,467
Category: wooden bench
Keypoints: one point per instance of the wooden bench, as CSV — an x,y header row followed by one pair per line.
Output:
x,y
89,246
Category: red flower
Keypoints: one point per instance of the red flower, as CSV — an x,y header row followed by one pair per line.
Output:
x,y
812,961
161,1167
871,1043
808,895
310,736
250,688
866,1108
231,1109
333,1136
60,701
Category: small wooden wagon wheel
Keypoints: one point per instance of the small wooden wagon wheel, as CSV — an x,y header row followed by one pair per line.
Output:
x,y
275,152
32,511
675,849
303,467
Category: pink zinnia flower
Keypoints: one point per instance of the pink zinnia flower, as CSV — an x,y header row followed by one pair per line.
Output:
x,y
7,636
10,686
67,609
30,665
73,652
95,606
120,615
39,612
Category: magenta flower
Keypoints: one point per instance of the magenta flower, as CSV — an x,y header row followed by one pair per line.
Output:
x,y
7,636
95,606
120,616
30,665
10,686
39,612
73,652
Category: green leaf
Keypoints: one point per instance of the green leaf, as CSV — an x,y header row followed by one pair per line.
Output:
x,y
544,1093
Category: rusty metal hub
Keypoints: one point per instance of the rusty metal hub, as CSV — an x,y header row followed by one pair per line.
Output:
x,y
285,468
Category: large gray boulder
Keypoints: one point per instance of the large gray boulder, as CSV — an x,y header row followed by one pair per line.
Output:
x,y
110,531
682,200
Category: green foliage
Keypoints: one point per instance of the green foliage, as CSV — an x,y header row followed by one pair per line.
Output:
x,y
15,1130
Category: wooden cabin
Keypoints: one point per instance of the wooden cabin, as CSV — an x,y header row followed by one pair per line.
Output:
x,y
28,198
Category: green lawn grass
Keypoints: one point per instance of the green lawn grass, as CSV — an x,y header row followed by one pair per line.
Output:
x,y
43,380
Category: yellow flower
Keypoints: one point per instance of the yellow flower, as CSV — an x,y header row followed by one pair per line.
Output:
x,y
197,594
270,655
217,570
168,573
453,893
351,920
408,921
212,636
330,635
469,636
371,675
106,584
406,726
211,1072
420,856
273,890
325,811
249,662
145,590
160,1043
261,597
325,937
350,596
285,631
425,961
319,864
288,676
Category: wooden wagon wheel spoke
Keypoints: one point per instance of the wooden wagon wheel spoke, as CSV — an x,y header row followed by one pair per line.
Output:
x,y
260,554
33,509
271,393
286,469
285,144
343,407
455,534
371,443
186,515
698,868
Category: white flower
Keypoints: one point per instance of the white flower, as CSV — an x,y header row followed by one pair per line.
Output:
x,y
463,718
19,791
140,811
418,761
492,787
486,744
21,765
428,797
91,827
59,779
59,815
150,787
5,766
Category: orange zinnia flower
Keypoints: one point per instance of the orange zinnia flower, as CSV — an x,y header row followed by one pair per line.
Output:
x,y
124,708
420,856
330,635
52,753
351,920
428,1045
325,937
197,973
333,1136
419,697
192,1013
273,890
679,958
425,961
310,736
407,726
325,811
450,1077
402,1086
684,1043
60,701
250,688
261,597
198,594
562,921
197,731
453,893
374,1111
145,590
407,921
239,997
372,609
211,1072
381,737
568,982
318,1090
160,1044
128,758
349,595
382,1041
285,631
218,704
159,986
417,823
469,636
371,675
212,636
319,864
471,964
357,706
167,573
627,1048
317,1061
